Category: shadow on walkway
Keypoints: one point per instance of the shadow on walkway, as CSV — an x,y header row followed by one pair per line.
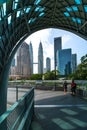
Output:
x,y
63,112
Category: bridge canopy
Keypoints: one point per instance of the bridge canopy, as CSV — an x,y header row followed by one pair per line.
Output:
x,y
39,14
21,17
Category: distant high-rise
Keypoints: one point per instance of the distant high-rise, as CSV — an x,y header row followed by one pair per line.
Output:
x,y
40,59
64,57
31,57
48,64
12,69
13,62
74,62
44,70
23,60
57,46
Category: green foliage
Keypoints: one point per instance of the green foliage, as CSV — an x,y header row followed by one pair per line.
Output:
x,y
84,59
81,72
36,77
47,76
51,75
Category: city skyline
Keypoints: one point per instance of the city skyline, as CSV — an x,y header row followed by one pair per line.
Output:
x,y
57,46
46,36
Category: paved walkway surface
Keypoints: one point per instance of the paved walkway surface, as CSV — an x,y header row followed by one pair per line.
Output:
x,y
58,111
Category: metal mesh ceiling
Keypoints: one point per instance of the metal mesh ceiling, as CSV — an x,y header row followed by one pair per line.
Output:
x,y
20,17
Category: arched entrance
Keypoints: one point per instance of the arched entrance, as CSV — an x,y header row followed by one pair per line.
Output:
x,y
19,19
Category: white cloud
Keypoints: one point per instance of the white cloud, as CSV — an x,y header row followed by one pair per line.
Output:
x,y
65,39
48,52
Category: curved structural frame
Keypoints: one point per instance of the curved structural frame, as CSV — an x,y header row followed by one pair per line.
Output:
x,y
20,18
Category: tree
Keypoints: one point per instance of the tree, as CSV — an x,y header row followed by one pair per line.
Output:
x,y
81,72
51,75
36,77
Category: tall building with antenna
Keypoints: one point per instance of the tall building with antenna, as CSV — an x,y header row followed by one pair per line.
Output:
x,y
40,59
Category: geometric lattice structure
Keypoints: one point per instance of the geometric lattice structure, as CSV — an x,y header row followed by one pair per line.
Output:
x,y
20,18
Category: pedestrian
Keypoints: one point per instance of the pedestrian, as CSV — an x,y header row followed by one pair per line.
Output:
x,y
65,86
73,87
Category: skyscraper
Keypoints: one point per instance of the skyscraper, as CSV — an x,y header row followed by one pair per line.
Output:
x,y
74,62
23,60
12,69
64,57
57,46
48,64
40,59
31,57
13,62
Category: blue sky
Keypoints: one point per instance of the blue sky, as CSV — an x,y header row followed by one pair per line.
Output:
x,y
46,36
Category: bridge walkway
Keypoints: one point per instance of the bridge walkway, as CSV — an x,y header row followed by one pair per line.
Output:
x,y
55,110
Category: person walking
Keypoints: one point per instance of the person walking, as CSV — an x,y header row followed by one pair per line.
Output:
x,y
65,86
73,87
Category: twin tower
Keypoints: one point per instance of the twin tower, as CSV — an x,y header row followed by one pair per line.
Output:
x,y
25,59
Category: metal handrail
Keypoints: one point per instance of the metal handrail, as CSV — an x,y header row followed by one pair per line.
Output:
x,y
20,114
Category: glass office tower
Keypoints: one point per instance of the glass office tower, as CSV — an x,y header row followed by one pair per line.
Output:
x,y
48,64
64,57
74,62
57,46
31,58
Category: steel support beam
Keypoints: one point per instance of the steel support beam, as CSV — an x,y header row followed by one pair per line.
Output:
x,y
83,25
4,77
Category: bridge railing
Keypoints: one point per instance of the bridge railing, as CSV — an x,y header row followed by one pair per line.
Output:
x,y
19,115
52,85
